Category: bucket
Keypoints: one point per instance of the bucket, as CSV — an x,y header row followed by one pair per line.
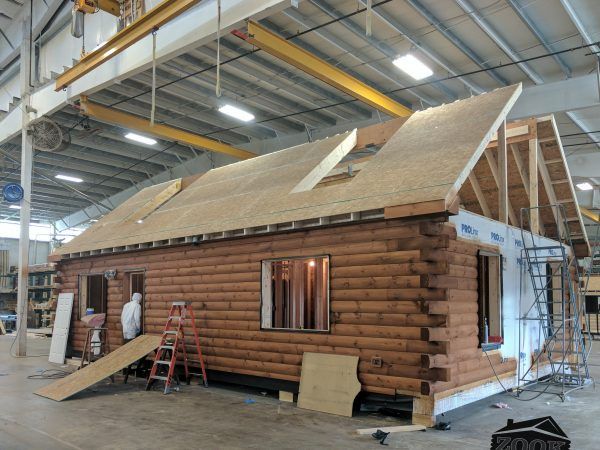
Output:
x,y
89,311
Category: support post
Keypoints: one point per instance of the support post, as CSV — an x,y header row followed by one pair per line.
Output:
x,y
502,174
26,168
533,186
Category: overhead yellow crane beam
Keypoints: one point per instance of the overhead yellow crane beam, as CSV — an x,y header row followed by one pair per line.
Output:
x,y
126,120
590,214
110,6
142,27
307,62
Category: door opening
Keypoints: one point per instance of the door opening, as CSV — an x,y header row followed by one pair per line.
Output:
x,y
135,282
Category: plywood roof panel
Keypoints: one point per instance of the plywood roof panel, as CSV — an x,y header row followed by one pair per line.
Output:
x,y
427,159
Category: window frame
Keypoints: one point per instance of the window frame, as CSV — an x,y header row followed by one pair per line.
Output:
x,y
327,287
484,253
81,309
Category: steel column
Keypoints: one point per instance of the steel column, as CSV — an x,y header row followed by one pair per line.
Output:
x,y
26,169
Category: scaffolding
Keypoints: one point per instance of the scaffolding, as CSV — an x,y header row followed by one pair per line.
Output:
x,y
560,365
591,290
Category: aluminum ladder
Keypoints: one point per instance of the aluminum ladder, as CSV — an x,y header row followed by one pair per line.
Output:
x,y
558,306
173,343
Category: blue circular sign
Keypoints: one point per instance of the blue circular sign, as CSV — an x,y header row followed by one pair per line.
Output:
x,y
12,192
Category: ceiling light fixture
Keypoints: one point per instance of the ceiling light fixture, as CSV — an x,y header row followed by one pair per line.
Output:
x,y
68,178
139,221
413,67
141,139
14,207
585,186
237,113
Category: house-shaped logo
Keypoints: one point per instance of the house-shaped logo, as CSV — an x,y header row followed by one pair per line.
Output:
x,y
543,433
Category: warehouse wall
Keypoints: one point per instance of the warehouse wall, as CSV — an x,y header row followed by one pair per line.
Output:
x,y
37,254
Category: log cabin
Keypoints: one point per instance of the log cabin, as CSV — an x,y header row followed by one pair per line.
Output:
x,y
397,243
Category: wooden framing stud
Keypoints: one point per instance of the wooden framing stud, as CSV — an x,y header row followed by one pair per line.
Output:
x,y
502,175
534,218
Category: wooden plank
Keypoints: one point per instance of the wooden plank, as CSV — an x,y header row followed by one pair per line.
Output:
x,y
502,175
156,202
416,209
549,187
396,429
378,134
101,369
285,396
491,159
534,186
523,173
328,383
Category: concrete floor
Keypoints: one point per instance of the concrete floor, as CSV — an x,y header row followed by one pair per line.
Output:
x,y
118,416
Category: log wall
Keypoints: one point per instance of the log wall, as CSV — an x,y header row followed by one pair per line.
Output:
x,y
405,292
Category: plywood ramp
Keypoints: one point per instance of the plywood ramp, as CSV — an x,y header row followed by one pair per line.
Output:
x,y
101,369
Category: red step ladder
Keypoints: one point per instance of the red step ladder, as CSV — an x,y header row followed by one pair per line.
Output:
x,y
173,341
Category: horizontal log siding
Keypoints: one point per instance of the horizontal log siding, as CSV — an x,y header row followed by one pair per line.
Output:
x,y
464,359
395,287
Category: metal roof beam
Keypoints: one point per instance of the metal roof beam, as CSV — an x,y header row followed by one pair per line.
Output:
x,y
190,30
526,68
202,104
299,82
182,98
276,103
519,10
391,53
578,22
361,57
458,43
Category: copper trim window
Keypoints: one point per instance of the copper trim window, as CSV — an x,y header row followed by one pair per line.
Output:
x,y
295,294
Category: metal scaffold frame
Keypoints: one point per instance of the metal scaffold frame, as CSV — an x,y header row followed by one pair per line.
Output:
x,y
591,268
558,307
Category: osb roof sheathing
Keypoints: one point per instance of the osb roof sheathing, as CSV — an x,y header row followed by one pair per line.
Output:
x,y
427,159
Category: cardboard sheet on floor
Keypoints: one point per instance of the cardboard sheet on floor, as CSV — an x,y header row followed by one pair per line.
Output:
x,y
328,383
101,369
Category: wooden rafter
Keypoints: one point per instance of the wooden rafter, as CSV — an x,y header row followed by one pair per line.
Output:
x,y
480,195
548,187
523,172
